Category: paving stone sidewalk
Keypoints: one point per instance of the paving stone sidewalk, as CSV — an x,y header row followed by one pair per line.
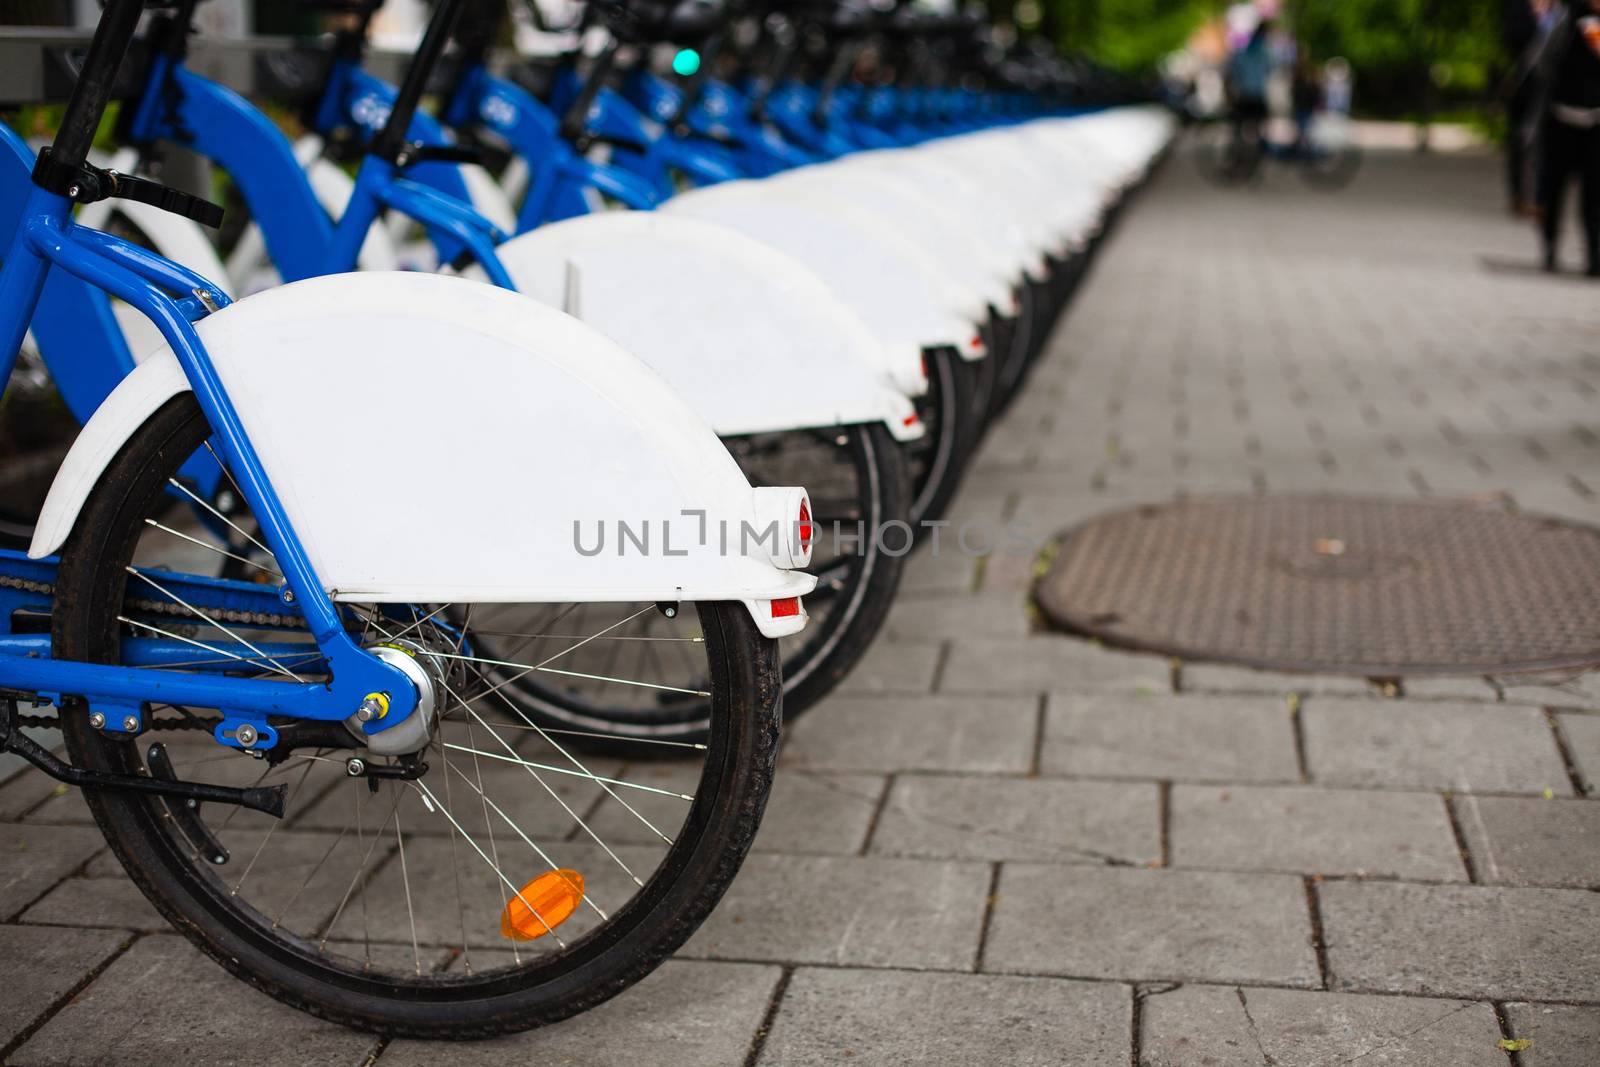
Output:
x,y
1003,847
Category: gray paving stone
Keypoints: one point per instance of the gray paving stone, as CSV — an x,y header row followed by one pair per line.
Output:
x,y
1212,1026
1558,1035
1010,573
1299,829
894,667
1468,748
814,812
1187,738
1220,678
927,733
1143,925
1561,690
24,792
954,817
1532,841
1583,740
1002,615
872,912
892,1017
1463,688
36,797
110,902
216,1020
1466,941
12,765
50,962
34,858
63,805
807,811
949,572
1044,662
686,1014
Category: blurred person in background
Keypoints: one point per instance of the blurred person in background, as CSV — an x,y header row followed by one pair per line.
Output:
x,y
1568,67
1527,26
1249,75
1306,96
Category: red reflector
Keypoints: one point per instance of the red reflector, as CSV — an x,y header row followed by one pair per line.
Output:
x,y
805,527
976,342
787,608
909,420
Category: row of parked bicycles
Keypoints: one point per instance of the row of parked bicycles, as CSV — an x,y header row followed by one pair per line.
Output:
x,y
421,597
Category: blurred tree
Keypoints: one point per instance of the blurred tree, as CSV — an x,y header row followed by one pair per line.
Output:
x,y
1129,34
1410,56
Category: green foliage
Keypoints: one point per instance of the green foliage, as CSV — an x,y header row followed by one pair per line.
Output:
x,y
1131,35
1399,48
1453,46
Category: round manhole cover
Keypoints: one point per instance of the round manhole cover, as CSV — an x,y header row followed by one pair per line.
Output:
x,y
1334,584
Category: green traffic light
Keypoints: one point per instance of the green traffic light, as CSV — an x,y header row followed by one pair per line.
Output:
x,y
686,62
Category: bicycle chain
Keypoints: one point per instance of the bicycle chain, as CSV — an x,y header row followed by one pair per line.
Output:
x,y
156,607
53,722
167,607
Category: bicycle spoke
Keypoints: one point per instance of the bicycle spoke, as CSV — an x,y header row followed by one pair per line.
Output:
x,y
196,611
586,775
213,548
405,879
186,491
262,659
427,795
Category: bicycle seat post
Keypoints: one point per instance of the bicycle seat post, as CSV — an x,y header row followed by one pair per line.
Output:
x,y
391,140
87,104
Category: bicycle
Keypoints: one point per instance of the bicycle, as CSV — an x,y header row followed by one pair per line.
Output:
x,y
348,667
837,428
1237,151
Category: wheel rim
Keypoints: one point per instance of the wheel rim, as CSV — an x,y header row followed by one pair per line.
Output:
x,y
389,888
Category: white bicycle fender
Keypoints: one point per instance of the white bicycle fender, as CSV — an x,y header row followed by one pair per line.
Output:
x,y
902,202
528,439
750,338
902,297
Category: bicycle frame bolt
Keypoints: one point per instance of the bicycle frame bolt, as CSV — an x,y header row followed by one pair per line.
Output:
x,y
375,706
355,767
246,735
288,596
130,724
73,191
97,720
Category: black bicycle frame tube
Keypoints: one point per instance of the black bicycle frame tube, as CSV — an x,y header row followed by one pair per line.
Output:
x,y
695,86
392,138
844,59
87,105
573,122
474,35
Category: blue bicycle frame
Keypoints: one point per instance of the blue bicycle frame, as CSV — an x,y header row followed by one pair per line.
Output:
x,y
55,266
221,125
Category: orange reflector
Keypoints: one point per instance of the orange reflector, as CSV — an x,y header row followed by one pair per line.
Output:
x,y
543,904
787,608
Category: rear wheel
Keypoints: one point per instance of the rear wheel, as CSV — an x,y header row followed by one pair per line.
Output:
x,y
1331,159
939,458
859,485
505,884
